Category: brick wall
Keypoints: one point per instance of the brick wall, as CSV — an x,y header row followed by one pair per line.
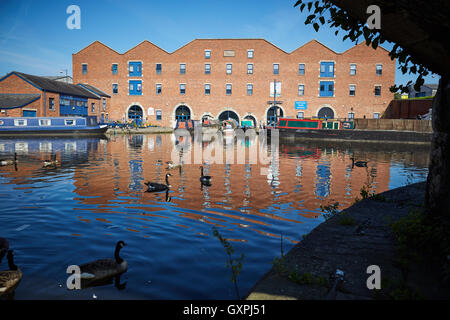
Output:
x,y
100,58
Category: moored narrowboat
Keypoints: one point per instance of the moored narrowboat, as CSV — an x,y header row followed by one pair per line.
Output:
x,y
13,126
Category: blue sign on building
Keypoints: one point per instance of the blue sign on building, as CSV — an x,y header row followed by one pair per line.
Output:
x,y
300,105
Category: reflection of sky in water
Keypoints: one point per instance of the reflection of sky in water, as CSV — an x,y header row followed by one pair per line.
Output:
x,y
323,176
401,175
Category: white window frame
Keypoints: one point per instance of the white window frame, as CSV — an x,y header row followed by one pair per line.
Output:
x,y
45,122
249,70
354,90
250,56
226,89
301,95
209,53
353,64
209,88
231,68
20,122
73,124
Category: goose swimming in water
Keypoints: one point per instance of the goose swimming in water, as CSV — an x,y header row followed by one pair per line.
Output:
x,y
52,162
358,163
4,246
156,187
7,162
171,165
104,268
9,279
205,180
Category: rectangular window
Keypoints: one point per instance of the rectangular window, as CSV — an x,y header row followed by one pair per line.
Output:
x,y
250,54
352,90
326,88
229,68
379,69
276,68
301,89
158,115
115,88
158,88
20,122
51,103
351,115
228,89
182,88
207,89
135,69
207,68
301,69
207,54
84,68
352,69
300,115
114,68
250,68
377,90
44,122
69,122
104,104
158,68
135,88
327,69
249,89
376,115
92,107
182,68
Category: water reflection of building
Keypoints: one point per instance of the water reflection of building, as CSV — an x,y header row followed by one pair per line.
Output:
x,y
309,175
109,179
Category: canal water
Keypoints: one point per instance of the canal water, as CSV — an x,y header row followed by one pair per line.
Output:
x,y
76,211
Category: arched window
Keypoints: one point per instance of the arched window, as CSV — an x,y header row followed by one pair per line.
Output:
x,y
182,113
325,113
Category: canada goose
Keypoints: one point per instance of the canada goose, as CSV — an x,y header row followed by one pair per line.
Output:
x,y
358,163
171,165
7,162
52,162
4,246
206,180
104,268
9,279
156,187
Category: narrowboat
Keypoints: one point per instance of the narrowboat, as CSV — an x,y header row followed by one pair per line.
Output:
x,y
13,126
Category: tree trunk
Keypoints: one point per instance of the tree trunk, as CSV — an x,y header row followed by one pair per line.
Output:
x,y
437,197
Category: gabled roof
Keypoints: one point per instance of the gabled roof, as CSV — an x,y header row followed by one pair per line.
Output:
x,y
54,86
94,90
312,42
19,100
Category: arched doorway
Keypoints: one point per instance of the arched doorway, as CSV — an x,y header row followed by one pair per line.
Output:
x,y
249,118
182,113
325,113
273,113
136,114
228,115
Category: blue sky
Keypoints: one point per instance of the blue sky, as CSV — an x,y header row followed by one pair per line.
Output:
x,y
34,37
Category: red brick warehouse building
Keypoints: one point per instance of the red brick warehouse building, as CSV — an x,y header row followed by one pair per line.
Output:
x,y
233,78
26,95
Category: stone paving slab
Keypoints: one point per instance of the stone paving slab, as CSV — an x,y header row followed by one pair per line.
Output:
x,y
352,249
